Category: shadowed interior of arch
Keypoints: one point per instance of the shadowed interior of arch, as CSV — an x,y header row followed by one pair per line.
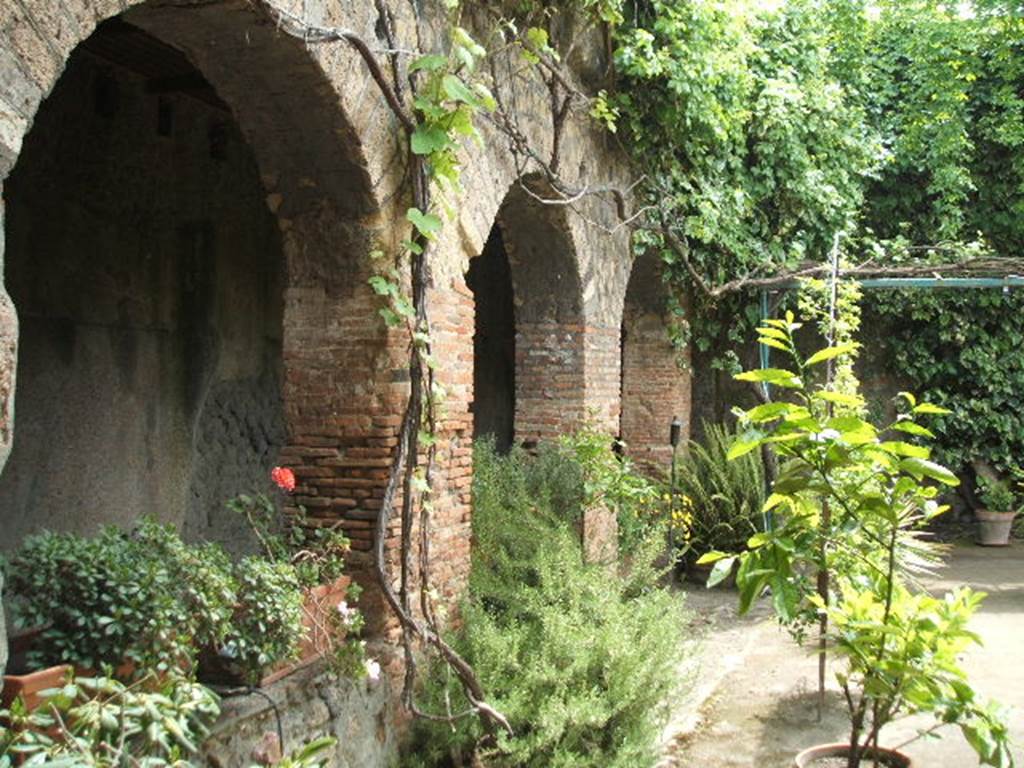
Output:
x,y
147,273
494,344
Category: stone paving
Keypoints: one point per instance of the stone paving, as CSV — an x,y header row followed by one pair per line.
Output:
x,y
754,704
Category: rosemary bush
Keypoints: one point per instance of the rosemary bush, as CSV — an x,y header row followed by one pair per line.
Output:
x,y
581,661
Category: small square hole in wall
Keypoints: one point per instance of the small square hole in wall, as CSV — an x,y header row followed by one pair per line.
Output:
x,y
106,95
218,138
164,116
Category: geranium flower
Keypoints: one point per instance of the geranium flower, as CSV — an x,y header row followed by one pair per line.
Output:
x,y
284,478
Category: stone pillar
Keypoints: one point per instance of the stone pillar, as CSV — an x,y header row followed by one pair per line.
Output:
x,y
656,381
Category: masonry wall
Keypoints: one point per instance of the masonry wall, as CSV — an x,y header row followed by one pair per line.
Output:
x,y
147,273
656,379
326,153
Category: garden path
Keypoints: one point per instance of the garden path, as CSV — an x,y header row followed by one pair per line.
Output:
x,y
754,702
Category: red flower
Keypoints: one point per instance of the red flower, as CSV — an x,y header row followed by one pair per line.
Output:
x,y
284,478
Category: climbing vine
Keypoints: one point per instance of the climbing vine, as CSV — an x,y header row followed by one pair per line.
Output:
x,y
758,133
962,349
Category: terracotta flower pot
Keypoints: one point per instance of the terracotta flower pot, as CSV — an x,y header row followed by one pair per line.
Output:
x,y
890,758
318,606
994,527
30,686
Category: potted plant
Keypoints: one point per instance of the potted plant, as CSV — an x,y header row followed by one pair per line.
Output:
x,y
849,504
995,518
136,602
300,578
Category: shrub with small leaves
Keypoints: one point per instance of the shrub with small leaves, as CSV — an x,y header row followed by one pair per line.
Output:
x,y
267,623
581,660
143,597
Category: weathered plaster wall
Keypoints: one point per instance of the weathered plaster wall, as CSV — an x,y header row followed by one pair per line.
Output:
x,y
147,274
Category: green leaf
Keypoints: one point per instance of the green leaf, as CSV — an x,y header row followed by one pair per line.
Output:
x,y
427,224
721,571
840,398
912,428
774,333
767,411
427,139
777,376
901,448
458,90
429,63
830,352
930,408
853,430
711,557
923,468
744,445
772,343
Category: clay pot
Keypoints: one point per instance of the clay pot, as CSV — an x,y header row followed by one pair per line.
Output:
x,y
994,527
30,685
890,758
318,605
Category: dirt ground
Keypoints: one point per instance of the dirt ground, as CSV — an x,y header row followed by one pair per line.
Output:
x,y
755,694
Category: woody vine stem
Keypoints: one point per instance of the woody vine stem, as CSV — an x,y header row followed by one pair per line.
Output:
x,y
418,426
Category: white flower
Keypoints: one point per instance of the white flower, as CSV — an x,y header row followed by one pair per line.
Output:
x,y
372,669
346,612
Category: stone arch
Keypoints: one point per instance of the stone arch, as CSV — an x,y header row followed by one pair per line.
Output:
x,y
655,388
529,366
309,165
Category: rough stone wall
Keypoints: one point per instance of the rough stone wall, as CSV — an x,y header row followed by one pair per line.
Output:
x,y
147,275
326,149
308,704
655,388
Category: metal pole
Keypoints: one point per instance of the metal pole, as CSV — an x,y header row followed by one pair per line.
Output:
x,y
675,432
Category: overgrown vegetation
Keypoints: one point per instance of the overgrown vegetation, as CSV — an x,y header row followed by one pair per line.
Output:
x,y
962,351
102,723
724,498
580,659
852,498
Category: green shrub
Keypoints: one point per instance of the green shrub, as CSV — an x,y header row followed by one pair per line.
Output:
x,y
147,597
142,596
724,498
267,624
996,495
582,661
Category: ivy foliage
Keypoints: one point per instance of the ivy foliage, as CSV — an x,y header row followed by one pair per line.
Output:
x,y
737,114
962,351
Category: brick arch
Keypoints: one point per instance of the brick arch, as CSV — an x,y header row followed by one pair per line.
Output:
x,y
341,382
310,161
534,269
655,388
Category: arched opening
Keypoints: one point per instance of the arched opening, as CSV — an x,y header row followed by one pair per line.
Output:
x,y
655,388
529,333
494,344
147,273
184,238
